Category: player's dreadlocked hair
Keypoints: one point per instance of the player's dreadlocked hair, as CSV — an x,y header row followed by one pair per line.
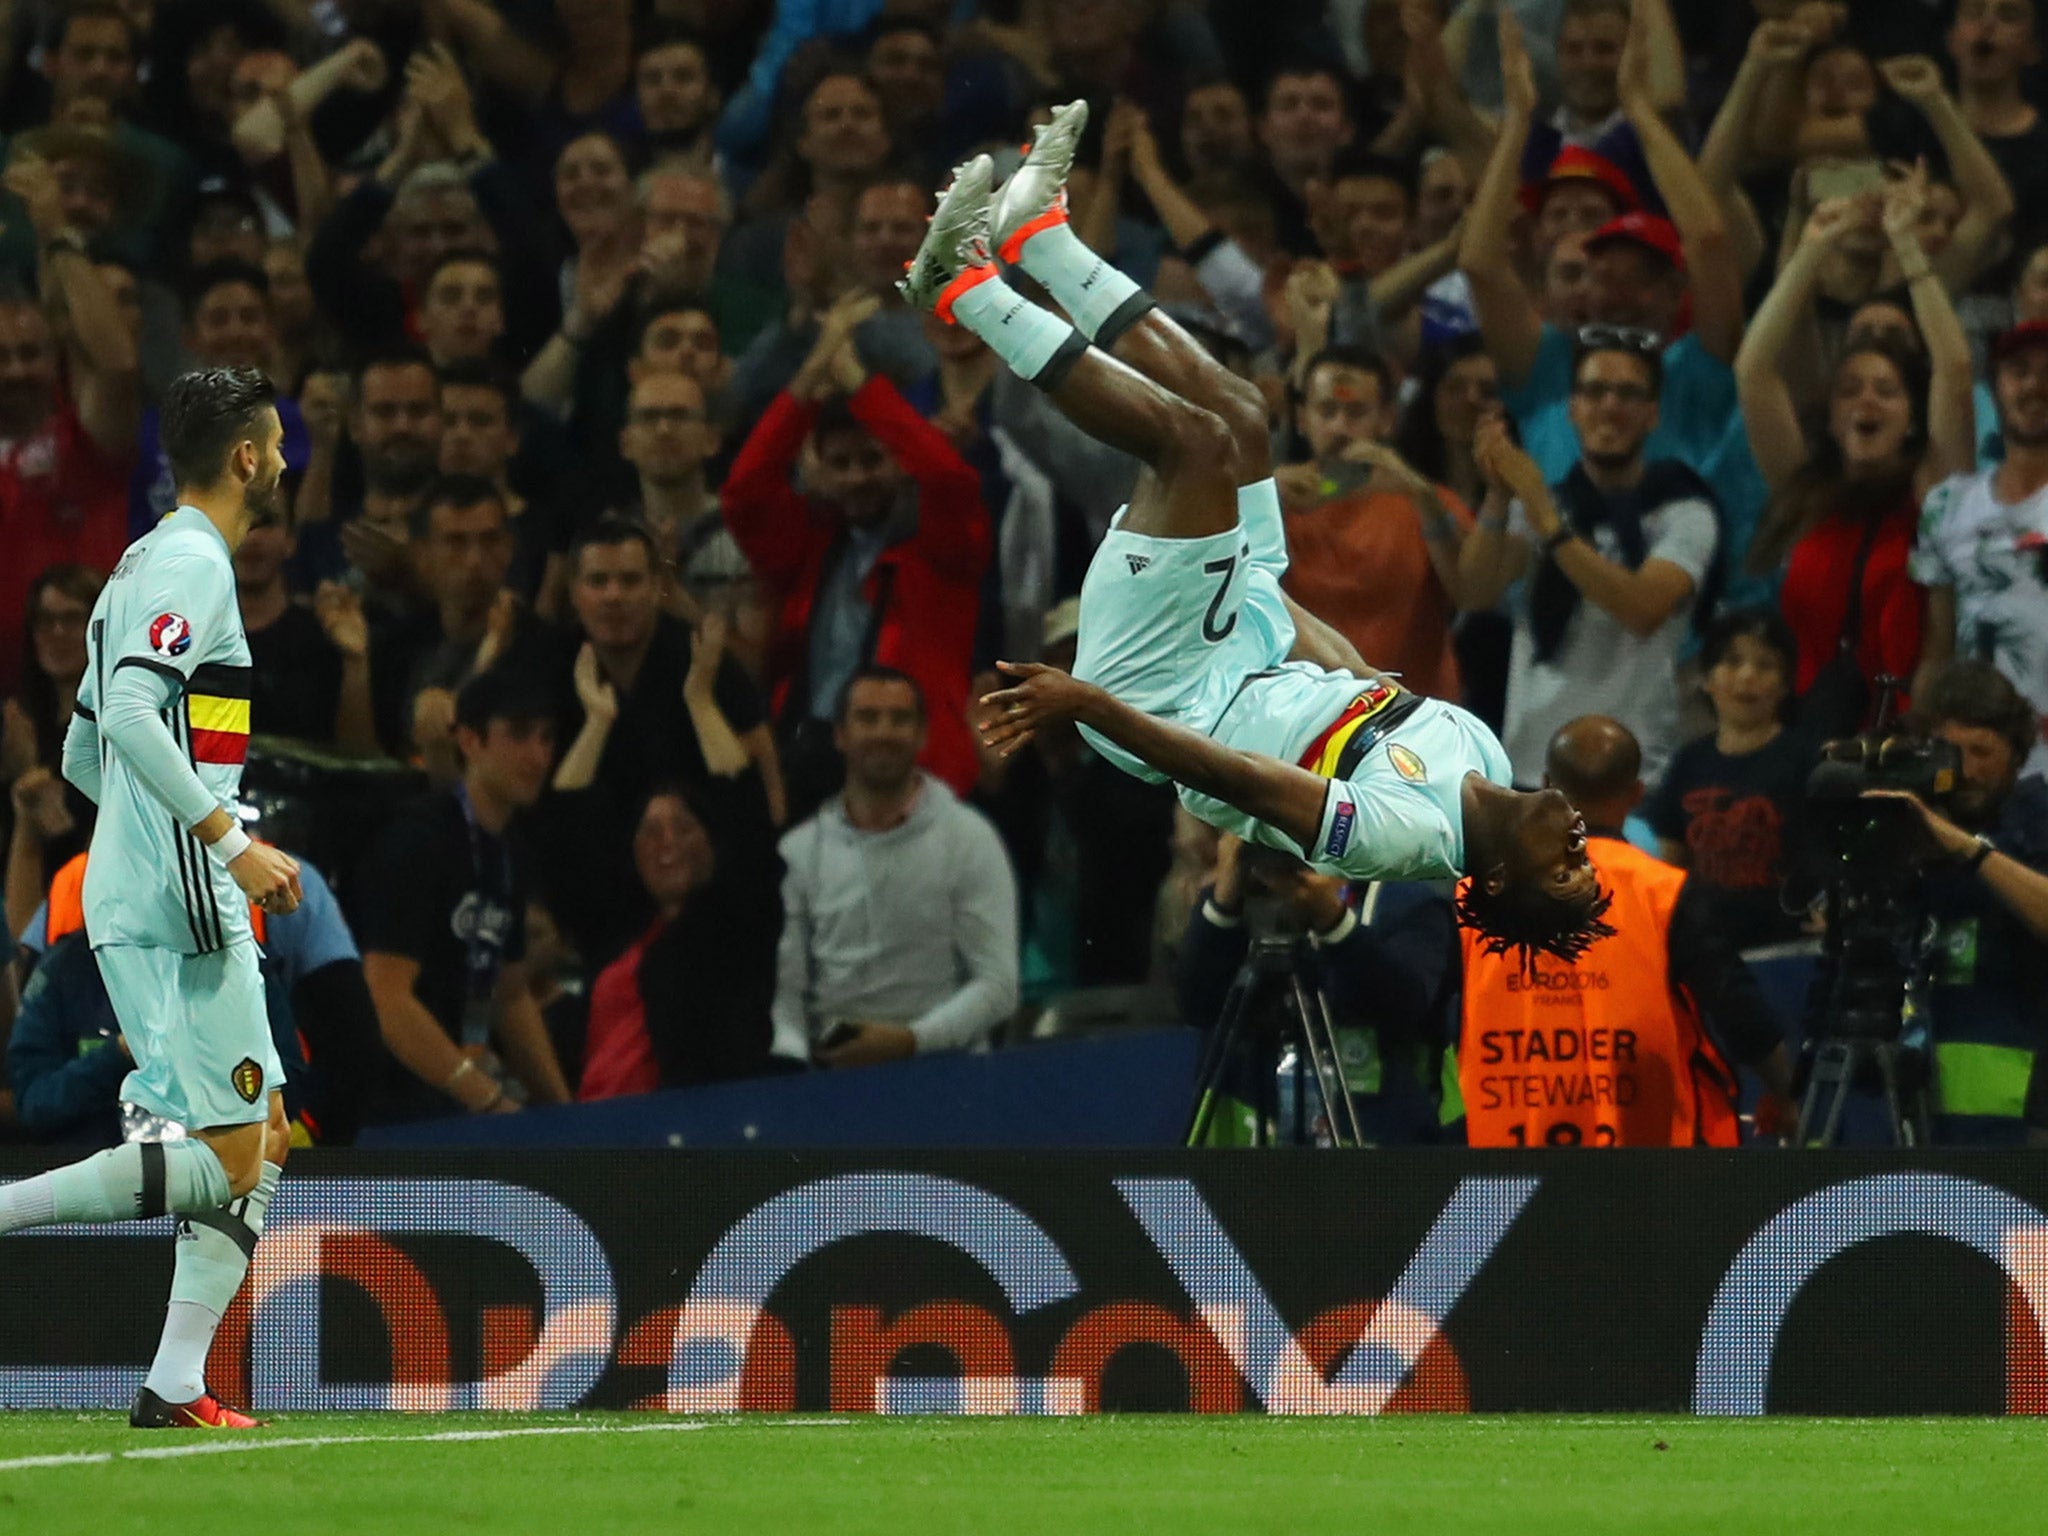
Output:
x,y
1516,917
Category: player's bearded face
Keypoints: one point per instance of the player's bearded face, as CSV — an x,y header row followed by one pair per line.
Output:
x,y
265,496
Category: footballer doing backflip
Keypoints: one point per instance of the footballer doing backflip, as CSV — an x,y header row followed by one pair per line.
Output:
x,y
158,739
1192,665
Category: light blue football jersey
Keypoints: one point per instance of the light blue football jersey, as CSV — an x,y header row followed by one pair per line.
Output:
x,y
169,608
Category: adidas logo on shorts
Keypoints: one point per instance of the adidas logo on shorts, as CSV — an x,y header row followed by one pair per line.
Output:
x,y
1137,563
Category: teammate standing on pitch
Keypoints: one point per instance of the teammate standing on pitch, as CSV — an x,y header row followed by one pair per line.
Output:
x,y
158,739
1192,664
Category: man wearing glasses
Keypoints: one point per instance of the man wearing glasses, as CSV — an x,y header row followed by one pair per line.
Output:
x,y
1677,279
1615,553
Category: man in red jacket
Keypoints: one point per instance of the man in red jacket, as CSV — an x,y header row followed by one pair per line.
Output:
x,y
878,558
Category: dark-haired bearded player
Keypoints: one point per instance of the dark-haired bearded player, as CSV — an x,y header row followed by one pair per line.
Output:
x,y
1193,665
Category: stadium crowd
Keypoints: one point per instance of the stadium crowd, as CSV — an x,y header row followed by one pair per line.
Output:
x,y
1651,376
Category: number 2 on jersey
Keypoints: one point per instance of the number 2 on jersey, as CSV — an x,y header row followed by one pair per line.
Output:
x,y
1211,630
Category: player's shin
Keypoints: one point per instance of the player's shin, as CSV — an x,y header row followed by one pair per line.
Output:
x,y
214,1248
1103,302
1038,346
126,1183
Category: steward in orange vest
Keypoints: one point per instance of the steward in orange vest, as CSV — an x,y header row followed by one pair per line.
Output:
x,y
1614,1050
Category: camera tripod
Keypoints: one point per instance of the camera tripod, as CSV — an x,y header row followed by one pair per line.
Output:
x,y
1837,1063
1270,963
1870,1018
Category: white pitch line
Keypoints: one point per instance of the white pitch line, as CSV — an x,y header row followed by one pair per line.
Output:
x,y
240,1446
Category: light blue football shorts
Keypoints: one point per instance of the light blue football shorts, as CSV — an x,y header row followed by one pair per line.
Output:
x,y
198,1030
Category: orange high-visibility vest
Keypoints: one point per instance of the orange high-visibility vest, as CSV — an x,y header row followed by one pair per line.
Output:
x,y
1605,1053
67,904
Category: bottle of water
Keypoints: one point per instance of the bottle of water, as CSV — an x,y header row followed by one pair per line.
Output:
x,y
1302,1118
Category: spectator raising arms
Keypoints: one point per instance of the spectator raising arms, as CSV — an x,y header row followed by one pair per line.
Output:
x,y
69,404
1846,502
881,562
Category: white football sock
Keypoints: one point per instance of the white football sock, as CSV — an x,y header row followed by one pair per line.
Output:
x,y
1081,282
214,1248
1018,331
131,1182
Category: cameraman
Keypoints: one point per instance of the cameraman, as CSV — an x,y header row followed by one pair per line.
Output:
x,y
1392,1073
1989,894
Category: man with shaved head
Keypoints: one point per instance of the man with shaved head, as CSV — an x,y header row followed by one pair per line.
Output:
x,y
1598,764
1632,1045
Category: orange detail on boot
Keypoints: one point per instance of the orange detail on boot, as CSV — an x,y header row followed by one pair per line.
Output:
x,y
972,277
1013,248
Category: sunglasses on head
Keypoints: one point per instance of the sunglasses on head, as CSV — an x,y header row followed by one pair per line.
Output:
x,y
1619,338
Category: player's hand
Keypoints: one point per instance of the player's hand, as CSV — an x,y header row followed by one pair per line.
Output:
x,y
269,877
871,1045
1041,696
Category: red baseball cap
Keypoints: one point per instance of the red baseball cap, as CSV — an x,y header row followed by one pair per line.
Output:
x,y
2023,337
1645,230
1576,164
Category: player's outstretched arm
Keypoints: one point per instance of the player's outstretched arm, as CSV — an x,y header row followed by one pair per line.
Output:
x,y
1277,793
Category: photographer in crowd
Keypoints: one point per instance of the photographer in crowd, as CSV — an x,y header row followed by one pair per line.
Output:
x,y
1988,892
1384,996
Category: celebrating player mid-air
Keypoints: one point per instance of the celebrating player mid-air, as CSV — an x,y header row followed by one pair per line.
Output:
x,y
1192,664
158,738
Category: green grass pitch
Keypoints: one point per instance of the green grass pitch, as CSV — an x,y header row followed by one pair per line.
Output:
x,y
630,1473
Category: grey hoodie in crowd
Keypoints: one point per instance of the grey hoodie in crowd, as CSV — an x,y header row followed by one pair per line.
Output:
x,y
916,925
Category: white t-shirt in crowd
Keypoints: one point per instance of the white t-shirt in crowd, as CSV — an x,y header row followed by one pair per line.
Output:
x,y
1600,668
1995,555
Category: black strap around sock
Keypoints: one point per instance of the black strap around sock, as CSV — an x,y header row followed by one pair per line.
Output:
x,y
1061,363
1122,318
154,1180
227,1221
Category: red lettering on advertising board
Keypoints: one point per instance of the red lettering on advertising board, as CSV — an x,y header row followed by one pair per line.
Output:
x,y
2026,1359
767,1375
413,1320
864,1347
1437,1383
509,1332
1214,1385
